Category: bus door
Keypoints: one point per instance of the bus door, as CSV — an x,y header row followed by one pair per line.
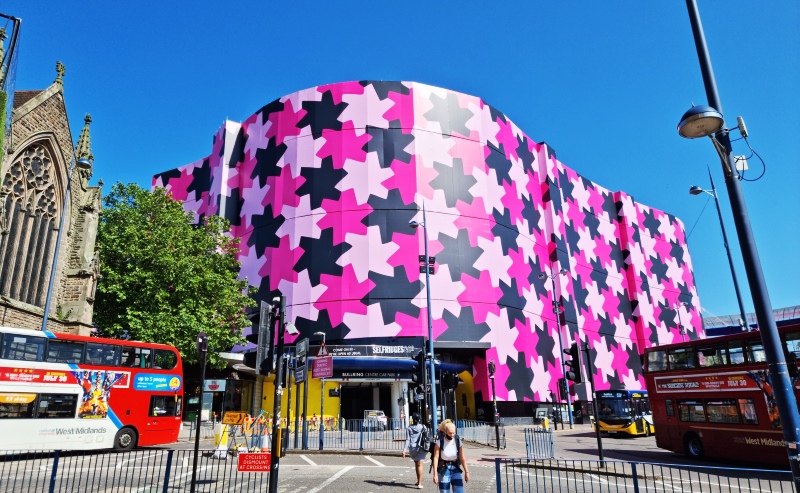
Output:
x,y
638,408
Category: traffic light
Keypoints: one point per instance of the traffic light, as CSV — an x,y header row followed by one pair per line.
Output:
x,y
418,370
562,388
262,359
574,364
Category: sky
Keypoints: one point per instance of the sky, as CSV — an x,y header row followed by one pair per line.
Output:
x,y
603,83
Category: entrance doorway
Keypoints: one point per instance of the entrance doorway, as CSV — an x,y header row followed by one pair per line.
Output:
x,y
357,398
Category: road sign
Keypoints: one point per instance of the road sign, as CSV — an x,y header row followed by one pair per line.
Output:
x,y
322,367
301,348
323,350
254,462
234,418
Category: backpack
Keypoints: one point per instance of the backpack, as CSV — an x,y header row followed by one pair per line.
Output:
x,y
441,442
424,442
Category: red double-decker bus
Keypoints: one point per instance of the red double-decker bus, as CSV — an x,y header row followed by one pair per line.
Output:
x,y
69,392
714,397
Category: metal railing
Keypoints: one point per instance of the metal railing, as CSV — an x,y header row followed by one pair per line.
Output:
x,y
482,432
539,443
146,470
524,475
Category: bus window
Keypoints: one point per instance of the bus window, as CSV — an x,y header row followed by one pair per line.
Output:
x,y
23,347
722,411
793,343
15,405
670,408
164,359
691,411
755,351
64,352
711,355
735,352
657,361
57,405
165,405
748,411
681,358
102,354
136,357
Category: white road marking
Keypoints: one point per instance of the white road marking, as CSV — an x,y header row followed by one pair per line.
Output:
x,y
331,480
308,460
373,461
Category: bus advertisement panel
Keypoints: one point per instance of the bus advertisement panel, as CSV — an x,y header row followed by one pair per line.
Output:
x,y
714,397
68,392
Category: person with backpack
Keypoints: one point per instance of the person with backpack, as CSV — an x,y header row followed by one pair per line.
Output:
x,y
449,461
417,443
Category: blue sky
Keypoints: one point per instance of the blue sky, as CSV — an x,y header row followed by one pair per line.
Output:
x,y
604,83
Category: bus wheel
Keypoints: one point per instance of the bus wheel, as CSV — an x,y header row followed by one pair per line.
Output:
x,y
125,439
693,446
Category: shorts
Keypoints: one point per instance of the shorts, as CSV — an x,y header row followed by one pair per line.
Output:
x,y
417,454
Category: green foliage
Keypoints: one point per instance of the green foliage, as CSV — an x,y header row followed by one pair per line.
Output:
x,y
164,279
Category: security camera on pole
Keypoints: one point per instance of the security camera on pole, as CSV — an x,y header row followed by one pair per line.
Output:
x,y
202,353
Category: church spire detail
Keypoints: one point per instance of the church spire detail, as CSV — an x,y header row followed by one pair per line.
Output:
x,y
84,150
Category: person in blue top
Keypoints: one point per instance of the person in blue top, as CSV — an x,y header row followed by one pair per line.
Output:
x,y
414,446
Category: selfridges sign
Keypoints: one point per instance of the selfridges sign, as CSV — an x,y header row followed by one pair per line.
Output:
x,y
370,350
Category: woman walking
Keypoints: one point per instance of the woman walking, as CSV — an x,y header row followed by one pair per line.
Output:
x,y
449,461
415,446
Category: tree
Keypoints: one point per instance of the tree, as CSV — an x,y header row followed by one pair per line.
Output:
x,y
165,278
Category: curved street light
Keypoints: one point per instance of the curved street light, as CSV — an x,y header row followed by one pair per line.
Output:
x,y
695,190
557,312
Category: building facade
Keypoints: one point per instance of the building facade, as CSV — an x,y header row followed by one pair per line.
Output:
x,y
36,162
320,186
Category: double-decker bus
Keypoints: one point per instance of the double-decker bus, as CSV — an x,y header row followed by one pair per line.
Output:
x,y
624,411
68,392
714,397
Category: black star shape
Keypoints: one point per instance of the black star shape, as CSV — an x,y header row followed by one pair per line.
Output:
x,y
512,301
553,194
651,224
394,293
546,344
459,255
233,207
322,115
453,182
320,256
592,223
321,324
267,162
383,88
530,214
580,294
519,377
659,269
320,183
450,116
389,144
391,214
504,230
463,327
527,157
498,162
201,179
166,176
676,252
599,274
265,228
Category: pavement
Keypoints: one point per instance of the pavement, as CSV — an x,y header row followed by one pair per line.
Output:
x,y
572,444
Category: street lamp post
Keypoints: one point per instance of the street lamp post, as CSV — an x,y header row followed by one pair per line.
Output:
x,y
202,352
695,190
428,267
557,312
82,163
705,121
677,308
492,369
321,401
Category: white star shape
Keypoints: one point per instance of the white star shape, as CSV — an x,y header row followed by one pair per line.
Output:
x,y
368,254
493,261
432,147
501,336
487,188
365,178
300,222
365,109
303,295
371,324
